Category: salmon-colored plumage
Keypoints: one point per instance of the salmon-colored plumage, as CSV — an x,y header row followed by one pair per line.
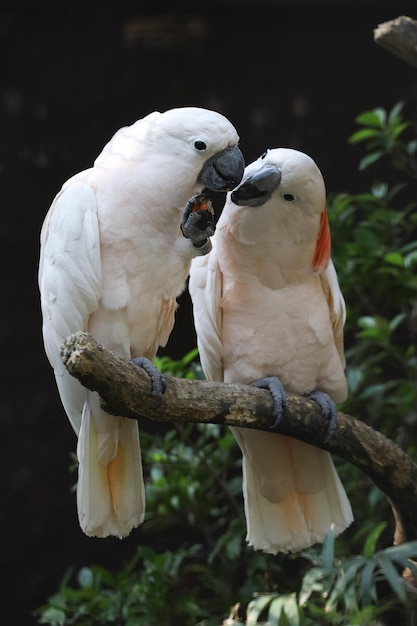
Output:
x,y
267,303
113,261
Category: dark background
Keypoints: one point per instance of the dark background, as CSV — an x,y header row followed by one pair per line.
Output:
x,y
285,73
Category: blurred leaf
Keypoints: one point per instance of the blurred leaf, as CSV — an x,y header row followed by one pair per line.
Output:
x,y
392,577
368,589
398,130
370,159
327,552
412,147
361,135
394,258
372,539
53,616
312,582
395,113
85,577
377,118
292,611
396,321
256,606
276,609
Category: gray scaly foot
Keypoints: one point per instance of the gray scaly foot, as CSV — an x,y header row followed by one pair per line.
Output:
x,y
157,379
328,409
279,397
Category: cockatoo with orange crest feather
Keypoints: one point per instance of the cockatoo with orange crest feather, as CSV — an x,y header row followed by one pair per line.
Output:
x,y
268,311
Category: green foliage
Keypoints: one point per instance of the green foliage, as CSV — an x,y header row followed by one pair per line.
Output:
x,y
156,592
382,134
375,254
337,591
187,367
196,563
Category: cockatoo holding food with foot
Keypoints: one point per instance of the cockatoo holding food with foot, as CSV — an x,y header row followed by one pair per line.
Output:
x,y
116,247
268,311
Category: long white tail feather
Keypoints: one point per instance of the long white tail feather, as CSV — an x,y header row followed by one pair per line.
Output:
x,y
111,496
302,499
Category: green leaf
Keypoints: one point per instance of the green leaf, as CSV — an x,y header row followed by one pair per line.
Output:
x,y
374,328
53,616
396,321
367,238
410,259
312,582
395,113
291,610
377,118
372,538
381,114
368,321
407,550
275,611
396,132
393,578
234,546
411,147
346,576
86,578
369,159
327,552
362,135
379,191
354,375
256,606
395,258
190,356
351,600
407,563
368,589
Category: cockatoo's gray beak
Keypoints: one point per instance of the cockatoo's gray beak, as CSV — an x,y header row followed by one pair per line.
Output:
x,y
224,170
258,187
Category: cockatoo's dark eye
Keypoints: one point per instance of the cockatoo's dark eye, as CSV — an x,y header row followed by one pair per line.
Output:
x,y
264,155
288,197
200,145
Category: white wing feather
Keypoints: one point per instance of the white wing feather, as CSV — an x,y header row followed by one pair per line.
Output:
x,y
205,287
337,306
69,282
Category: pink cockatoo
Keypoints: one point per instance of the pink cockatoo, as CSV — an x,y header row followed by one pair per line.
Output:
x,y
267,303
116,248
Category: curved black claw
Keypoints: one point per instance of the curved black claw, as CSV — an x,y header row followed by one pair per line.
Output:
x,y
158,380
197,222
328,409
279,396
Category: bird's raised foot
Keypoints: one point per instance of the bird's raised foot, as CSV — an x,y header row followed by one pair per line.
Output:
x,y
328,409
279,397
157,379
197,222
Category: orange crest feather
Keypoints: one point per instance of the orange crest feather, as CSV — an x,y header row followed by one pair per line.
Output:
x,y
323,246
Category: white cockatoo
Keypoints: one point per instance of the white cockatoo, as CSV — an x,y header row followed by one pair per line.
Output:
x,y
116,248
267,303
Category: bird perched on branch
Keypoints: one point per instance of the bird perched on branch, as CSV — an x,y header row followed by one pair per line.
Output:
x,y
116,247
268,311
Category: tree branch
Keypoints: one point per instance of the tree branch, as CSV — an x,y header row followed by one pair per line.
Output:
x,y
125,390
399,36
